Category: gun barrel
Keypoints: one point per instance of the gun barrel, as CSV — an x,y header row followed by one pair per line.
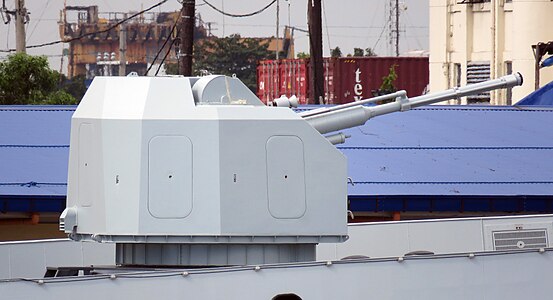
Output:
x,y
472,89
323,110
355,114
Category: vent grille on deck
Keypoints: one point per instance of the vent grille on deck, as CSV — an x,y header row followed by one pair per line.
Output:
x,y
520,239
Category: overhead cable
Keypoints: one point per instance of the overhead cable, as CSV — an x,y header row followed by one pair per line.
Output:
x,y
240,15
165,57
92,33
161,49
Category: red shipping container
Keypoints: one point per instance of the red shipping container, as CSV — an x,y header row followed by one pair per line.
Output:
x,y
345,79
329,87
293,79
357,77
268,80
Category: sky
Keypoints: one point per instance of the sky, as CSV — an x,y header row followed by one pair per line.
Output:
x,y
346,23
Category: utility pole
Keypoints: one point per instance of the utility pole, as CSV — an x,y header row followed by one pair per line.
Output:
x,y
187,37
397,27
20,19
315,51
123,48
277,27
393,27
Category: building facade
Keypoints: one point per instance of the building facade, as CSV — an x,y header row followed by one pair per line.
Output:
x,y
474,40
95,46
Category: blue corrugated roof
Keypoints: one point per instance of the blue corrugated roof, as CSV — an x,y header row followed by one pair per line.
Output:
x,y
445,150
402,161
34,150
541,97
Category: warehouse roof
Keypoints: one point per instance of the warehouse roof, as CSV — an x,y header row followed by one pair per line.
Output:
x,y
444,151
34,150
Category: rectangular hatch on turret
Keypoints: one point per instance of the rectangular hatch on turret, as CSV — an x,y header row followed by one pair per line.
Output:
x,y
286,177
170,177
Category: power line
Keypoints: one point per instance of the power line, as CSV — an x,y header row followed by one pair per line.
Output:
x,y
166,54
241,15
92,33
161,49
329,26
416,38
382,32
326,25
373,19
39,19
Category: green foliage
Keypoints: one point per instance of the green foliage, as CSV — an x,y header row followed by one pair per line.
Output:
x,y
232,55
59,97
336,52
74,87
370,52
387,86
171,68
358,52
388,81
302,55
26,79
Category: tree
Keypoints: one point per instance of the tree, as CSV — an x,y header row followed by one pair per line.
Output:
x,y
232,55
74,86
358,52
370,52
26,79
302,55
336,52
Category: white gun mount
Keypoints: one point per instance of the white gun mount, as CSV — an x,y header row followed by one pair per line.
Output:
x,y
197,171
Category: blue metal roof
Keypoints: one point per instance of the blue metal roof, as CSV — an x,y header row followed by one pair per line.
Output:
x,y
34,150
437,158
453,150
542,96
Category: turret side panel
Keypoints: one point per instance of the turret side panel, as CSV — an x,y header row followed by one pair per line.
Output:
x,y
108,168
188,202
257,204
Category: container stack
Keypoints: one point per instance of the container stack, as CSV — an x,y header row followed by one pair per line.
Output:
x,y
346,79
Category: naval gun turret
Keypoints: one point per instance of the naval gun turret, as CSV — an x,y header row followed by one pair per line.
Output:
x,y
187,171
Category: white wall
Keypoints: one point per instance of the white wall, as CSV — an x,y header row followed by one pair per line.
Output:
x,y
496,32
385,239
29,259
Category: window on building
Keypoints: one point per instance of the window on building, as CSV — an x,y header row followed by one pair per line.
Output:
x,y
478,72
509,93
456,81
457,74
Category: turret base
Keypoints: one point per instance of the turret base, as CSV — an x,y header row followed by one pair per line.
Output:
x,y
128,254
